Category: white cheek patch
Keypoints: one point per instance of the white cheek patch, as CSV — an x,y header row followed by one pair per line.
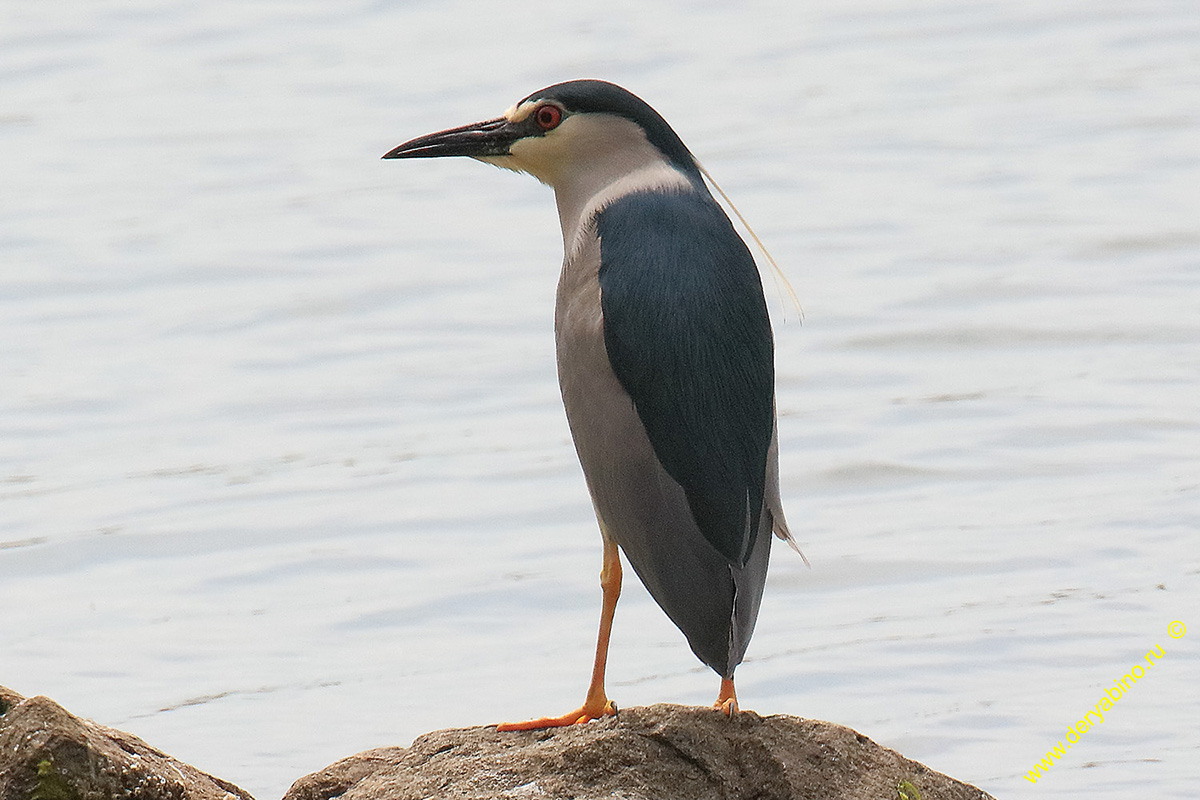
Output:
x,y
538,155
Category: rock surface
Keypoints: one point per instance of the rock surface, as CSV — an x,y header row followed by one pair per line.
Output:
x,y
46,753
660,751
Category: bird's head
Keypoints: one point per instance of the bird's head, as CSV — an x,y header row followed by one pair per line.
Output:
x,y
569,132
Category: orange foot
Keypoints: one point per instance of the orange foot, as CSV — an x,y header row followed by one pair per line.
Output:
x,y
727,702
579,715
727,707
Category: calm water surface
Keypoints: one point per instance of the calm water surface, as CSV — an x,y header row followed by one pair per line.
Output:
x,y
283,469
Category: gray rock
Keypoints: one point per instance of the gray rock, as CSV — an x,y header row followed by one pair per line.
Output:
x,y
660,751
651,753
46,753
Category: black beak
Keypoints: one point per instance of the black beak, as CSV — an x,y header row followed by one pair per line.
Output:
x,y
492,137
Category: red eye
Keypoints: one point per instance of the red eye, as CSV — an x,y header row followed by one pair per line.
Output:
x,y
548,117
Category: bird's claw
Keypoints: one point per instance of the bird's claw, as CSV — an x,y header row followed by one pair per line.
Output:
x,y
576,717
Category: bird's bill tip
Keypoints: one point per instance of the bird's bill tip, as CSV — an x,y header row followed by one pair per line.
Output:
x,y
491,137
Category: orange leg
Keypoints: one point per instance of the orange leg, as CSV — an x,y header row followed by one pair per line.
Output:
x,y
596,704
727,699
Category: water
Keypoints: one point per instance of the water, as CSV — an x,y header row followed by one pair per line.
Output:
x,y
283,469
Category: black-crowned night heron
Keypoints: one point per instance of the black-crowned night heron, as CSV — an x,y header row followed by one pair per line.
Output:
x,y
665,361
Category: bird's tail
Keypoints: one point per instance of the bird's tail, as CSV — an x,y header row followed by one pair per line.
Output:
x,y
781,530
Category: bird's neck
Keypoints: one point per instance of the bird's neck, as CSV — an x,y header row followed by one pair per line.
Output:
x,y
580,199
